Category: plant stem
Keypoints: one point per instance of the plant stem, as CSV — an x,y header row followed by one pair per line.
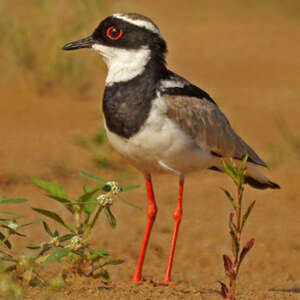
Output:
x,y
93,222
238,214
238,222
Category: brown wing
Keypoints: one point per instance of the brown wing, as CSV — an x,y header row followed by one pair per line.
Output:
x,y
204,121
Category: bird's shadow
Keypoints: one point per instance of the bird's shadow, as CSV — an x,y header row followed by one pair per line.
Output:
x,y
294,290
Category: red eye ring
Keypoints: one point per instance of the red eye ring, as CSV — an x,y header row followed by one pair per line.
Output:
x,y
108,33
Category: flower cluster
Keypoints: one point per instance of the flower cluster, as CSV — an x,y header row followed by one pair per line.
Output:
x,y
113,190
114,187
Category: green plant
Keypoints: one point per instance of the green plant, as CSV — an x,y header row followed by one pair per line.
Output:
x,y
237,221
14,269
25,47
73,249
98,147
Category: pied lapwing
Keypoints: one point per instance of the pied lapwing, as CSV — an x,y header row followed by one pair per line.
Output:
x,y
158,120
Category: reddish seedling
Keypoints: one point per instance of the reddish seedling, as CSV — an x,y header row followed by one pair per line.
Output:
x,y
237,221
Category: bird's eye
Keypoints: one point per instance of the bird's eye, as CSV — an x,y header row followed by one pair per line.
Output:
x,y
114,33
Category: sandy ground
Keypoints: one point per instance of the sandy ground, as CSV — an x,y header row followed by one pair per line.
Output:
x,y
248,60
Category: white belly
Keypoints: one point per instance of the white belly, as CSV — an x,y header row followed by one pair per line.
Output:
x,y
161,145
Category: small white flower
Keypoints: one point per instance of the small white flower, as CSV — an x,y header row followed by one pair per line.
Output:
x,y
54,240
115,188
105,199
76,240
75,243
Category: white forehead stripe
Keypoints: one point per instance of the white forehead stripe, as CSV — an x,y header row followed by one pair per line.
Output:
x,y
140,23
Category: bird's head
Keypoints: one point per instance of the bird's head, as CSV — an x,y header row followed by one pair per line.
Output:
x,y
126,42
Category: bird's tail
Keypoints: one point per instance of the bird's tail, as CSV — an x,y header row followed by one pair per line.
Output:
x,y
258,180
253,176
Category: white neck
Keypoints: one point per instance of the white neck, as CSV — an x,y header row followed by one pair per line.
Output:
x,y
123,64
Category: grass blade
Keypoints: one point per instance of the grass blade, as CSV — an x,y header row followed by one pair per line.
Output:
x,y
129,203
91,176
129,188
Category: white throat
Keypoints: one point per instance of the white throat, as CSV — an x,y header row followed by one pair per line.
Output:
x,y
123,64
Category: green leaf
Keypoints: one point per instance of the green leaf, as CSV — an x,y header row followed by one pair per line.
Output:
x,y
91,176
129,203
110,217
129,188
232,228
247,213
34,247
7,243
8,259
80,253
244,161
85,188
9,213
56,255
66,237
14,231
228,195
29,223
233,164
235,246
230,171
52,215
98,254
113,262
100,137
72,228
88,200
82,142
105,274
47,228
55,192
13,201
88,195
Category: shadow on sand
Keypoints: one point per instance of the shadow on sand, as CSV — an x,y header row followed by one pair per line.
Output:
x,y
294,290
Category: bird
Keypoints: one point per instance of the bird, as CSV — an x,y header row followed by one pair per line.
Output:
x,y
159,121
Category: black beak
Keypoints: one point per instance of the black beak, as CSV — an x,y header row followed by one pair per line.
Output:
x,y
83,43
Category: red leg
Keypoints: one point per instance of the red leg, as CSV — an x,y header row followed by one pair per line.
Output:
x,y
177,217
152,210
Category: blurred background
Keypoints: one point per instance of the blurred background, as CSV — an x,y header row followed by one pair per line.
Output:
x,y
245,54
